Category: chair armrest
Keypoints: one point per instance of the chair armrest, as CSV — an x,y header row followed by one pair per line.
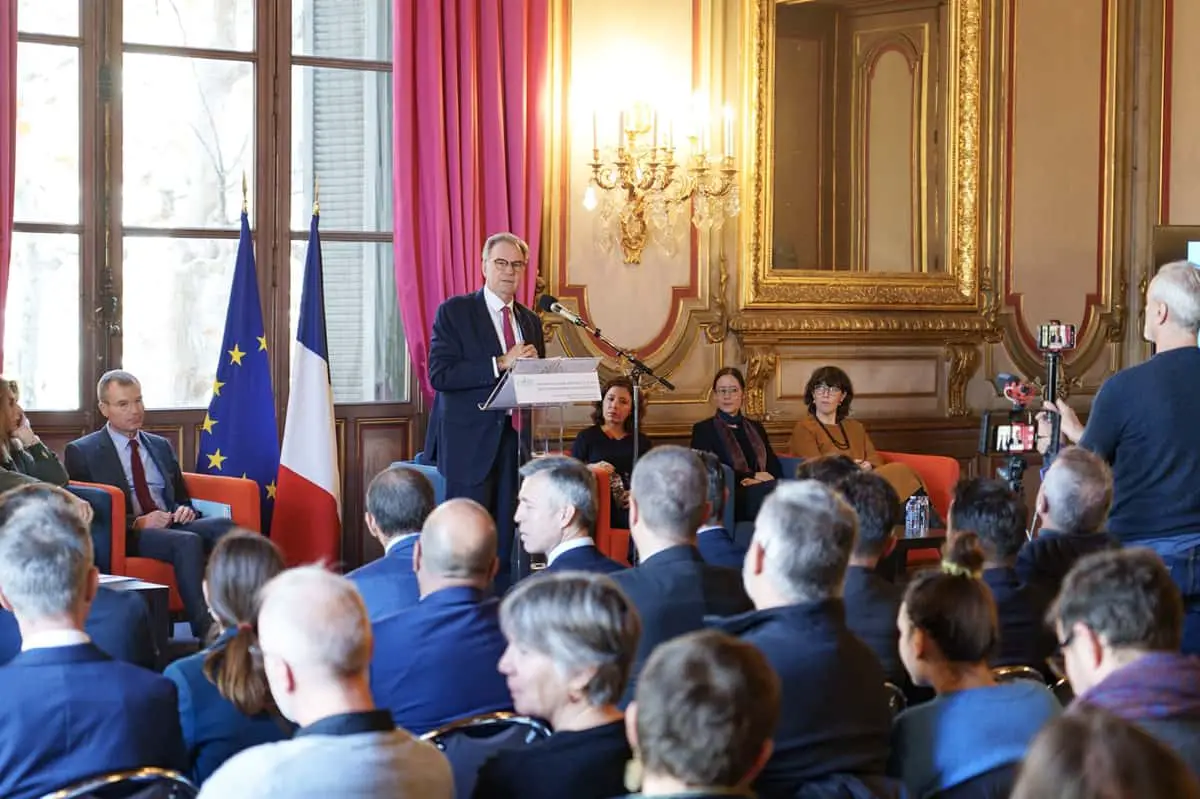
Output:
x,y
108,502
240,494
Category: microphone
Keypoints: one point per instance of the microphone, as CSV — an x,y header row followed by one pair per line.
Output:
x,y
552,305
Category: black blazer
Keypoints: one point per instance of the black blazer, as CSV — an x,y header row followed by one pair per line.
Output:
x,y
118,623
1021,611
717,547
461,371
673,591
705,437
589,764
872,605
584,559
94,459
1045,560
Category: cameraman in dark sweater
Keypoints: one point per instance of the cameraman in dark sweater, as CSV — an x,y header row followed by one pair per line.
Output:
x,y
1144,422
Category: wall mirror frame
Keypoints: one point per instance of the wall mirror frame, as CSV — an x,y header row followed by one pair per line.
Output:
x,y
945,305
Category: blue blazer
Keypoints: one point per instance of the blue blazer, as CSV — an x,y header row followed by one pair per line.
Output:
x,y
94,459
584,559
71,712
119,624
461,371
213,729
436,662
388,585
718,548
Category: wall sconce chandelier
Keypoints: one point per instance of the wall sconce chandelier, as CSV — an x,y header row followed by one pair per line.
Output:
x,y
646,191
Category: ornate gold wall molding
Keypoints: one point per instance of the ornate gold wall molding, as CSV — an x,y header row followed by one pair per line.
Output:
x,y
761,364
963,358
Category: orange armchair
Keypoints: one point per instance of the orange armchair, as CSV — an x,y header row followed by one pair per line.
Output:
x,y
939,473
611,542
240,494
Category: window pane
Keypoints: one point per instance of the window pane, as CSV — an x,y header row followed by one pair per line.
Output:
x,y
176,294
368,357
189,138
342,136
342,29
48,175
59,17
41,323
214,24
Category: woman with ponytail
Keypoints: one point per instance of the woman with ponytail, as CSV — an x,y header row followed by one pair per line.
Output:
x,y
225,704
975,731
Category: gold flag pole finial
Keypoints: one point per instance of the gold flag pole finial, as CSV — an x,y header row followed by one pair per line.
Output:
x,y
245,194
316,196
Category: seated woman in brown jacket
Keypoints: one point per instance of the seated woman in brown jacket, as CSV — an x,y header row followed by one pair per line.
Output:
x,y
826,430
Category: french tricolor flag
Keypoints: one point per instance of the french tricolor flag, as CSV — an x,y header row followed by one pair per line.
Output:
x,y
308,501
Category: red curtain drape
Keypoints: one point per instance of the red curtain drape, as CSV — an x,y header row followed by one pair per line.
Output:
x,y
8,147
470,82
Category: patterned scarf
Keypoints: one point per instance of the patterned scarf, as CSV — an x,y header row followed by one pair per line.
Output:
x,y
725,426
1160,685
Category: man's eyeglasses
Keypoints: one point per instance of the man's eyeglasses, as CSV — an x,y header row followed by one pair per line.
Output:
x,y
1058,661
821,388
505,265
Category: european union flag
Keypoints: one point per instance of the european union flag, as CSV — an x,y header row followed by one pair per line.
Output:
x,y
239,437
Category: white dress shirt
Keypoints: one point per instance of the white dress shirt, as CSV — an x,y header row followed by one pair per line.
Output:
x,y
567,546
50,639
495,305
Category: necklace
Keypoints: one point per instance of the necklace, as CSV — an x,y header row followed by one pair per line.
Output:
x,y
845,443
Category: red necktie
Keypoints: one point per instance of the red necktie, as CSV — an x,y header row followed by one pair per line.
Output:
x,y
510,341
141,489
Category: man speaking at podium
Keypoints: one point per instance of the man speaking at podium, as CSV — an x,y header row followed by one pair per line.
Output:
x,y
476,339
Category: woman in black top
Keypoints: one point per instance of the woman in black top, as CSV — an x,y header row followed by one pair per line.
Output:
x,y
609,442
572,638
741,443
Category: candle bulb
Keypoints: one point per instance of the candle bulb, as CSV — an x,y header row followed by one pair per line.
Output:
x,y
595,133
670,134
728,132
654,130
621,131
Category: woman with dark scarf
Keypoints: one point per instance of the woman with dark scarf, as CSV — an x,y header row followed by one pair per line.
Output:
x,y
740,443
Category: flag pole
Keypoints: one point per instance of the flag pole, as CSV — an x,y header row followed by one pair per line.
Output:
x,y
245,194
316,196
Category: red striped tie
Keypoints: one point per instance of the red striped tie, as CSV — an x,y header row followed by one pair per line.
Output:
x,y
510,341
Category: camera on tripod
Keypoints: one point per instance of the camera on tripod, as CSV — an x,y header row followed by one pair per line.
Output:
x,y
1016,435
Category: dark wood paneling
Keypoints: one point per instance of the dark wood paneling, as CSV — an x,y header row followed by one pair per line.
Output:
x,y
374,442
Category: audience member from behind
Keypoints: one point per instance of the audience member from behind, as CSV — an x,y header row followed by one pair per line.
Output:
x,y
225,704
436,662
399,500
571,642
315,643
1143,423
672,587
1120,619
716,544
873,603
67,710
705,712
556,514
827,469
834,718
1091,754
976,730
990,510
1072,505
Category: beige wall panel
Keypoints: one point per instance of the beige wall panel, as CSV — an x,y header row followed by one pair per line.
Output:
x,y
871,377
1185,115
889,148
1055,158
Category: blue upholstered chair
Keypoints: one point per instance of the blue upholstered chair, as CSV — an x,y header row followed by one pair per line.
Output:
x,y
431,472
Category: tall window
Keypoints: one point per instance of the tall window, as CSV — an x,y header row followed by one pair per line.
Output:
x,y
167,106
42,330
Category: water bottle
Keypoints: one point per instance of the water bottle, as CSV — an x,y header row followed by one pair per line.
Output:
x,y
916,517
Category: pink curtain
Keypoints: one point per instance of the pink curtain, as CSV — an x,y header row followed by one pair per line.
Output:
x,y
470,82
8,146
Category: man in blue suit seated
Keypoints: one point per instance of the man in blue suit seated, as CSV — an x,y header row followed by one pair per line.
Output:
x,y
436,662
398,502
834,721
1072,503
556,513
118,623
672,587
715,543
67,710
160,521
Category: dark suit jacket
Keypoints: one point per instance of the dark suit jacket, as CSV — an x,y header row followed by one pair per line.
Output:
x,y
834,715
94,459
588,764
705,437
673,591
1045,560
584,559
388,585
436,662
718,548
872,605
118,623
213,729
71,712
461,371
1021,611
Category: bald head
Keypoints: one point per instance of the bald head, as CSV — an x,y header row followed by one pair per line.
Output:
x,y
316,622
458,543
